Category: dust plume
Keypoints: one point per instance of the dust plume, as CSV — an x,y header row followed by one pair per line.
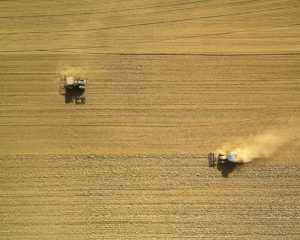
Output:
x,y
262,145
74,71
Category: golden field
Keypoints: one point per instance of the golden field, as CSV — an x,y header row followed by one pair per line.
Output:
x,y
168,82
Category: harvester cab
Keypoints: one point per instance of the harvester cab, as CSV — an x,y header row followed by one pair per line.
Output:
x,y
221,158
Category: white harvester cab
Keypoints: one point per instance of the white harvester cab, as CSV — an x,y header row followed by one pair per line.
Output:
x,y
232,157
70,80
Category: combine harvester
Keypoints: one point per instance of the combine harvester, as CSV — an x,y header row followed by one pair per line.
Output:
x,y
222,158
73,88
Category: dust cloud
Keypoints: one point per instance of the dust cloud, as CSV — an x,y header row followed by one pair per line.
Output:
x,y
263,145
74,71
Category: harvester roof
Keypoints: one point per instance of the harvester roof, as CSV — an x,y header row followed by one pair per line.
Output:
x,y
70,80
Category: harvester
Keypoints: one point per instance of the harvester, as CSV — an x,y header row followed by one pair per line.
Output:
x,y
73,88
222,158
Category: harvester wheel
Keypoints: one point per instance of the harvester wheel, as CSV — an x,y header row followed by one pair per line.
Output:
x,y
80,100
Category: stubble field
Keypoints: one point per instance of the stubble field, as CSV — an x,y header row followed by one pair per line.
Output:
x,y
169,81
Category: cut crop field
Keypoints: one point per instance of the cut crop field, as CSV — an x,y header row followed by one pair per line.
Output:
x,y
140,104
164,196
168,82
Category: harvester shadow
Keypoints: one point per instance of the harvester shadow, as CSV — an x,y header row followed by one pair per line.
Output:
x,y
227,168
74,96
